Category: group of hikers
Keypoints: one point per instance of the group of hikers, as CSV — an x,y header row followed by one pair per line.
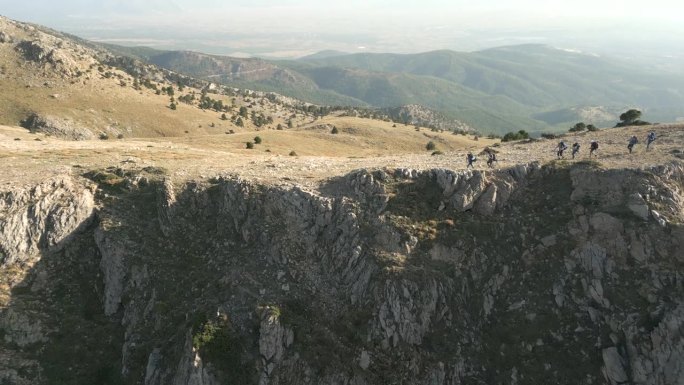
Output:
x,y
491,158
561,147
650,138
593,146
633,140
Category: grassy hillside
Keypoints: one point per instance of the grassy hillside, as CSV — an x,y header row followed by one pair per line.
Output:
x,y
500,90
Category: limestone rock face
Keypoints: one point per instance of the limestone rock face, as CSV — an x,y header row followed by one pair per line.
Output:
x,y
42,218
113,267
190,369
273,340
62,55
21,329
380,276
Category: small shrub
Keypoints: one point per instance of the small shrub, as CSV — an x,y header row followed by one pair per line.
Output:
x,y
120,136
547,135
104,136
249,145
17,138
293,153
334,130
257,140
578,127
172,106
592,128
221,345
437,153
520,135
430,146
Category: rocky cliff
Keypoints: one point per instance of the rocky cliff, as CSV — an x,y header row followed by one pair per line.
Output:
x,y
527,275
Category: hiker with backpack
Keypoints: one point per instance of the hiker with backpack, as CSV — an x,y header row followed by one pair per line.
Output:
x,y
575,149
491,158
470,158
593,146
561,147
632,141
650,139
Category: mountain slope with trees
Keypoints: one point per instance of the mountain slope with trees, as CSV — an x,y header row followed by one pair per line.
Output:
x,y
534,87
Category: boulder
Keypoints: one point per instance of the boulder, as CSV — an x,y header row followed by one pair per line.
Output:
x,y
58,127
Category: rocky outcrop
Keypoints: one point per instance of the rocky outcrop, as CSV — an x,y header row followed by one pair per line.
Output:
x,y
113,268
42,218
22,329
526,275
5,37
57,127
273,340
52,50
190,370
418,115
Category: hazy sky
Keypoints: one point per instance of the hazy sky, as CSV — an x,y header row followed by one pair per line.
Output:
x,y
298,27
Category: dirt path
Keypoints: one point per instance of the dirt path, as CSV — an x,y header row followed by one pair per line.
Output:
x,y
27,157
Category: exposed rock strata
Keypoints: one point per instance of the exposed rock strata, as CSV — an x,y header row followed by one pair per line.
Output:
x,y
526,275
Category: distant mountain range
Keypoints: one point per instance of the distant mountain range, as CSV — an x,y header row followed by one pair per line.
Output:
x,y
531,87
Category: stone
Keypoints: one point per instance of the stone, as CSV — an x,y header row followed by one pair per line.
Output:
x,y
613,366
364,360
605,223
640,211
5,37
549,240
57,127
660,220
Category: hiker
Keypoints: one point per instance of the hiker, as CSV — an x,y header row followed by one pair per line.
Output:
x,y
593,146
632,141
650,139
575,149
470,158
561,147
491,158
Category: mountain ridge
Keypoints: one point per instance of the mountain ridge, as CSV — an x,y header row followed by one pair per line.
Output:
x,y
525,82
